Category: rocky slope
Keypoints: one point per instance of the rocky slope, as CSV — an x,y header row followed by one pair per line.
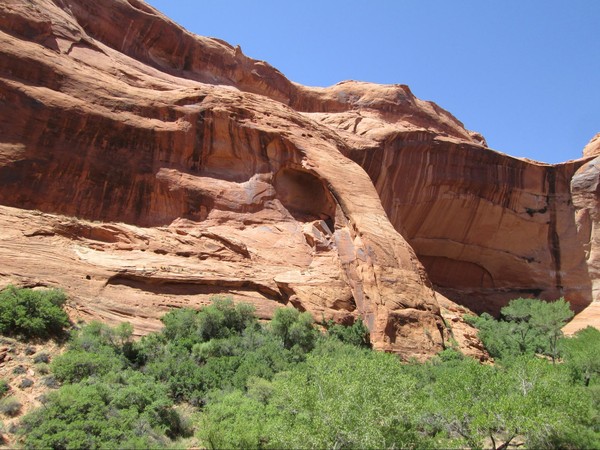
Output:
x,y
143,168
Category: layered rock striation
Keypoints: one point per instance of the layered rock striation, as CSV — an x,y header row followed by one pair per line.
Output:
x,y
163,183
143,167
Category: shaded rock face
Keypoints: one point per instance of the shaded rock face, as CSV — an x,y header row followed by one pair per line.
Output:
x,y
144,168
488,228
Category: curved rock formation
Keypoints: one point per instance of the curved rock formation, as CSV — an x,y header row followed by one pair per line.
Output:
x,y
143,167
164,182
487,227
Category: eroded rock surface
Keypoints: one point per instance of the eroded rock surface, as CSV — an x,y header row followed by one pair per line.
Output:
x,y
487,227
143,168
162,181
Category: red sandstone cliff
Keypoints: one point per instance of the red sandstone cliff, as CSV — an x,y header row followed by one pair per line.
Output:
x,y
143,167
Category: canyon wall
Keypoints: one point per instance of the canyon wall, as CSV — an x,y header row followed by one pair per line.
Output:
x,y
158,190
487,227
143,168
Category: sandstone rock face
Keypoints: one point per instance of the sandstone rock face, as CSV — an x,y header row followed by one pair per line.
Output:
x,y
585,189
144,168
169,170
487,227
593,147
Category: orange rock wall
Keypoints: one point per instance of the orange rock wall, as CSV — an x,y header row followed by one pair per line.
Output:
x,y
487,227
143,168
162,184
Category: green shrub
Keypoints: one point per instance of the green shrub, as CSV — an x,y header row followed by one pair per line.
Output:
x,y
32,313
582,355
219,320
526,327
122,410
294,328
76,365
356,334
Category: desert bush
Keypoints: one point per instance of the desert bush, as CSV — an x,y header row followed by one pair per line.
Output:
x,y
76,365
42,368
50,382
25,383
294,328
10,406
356,334
32,313
41,357
121,410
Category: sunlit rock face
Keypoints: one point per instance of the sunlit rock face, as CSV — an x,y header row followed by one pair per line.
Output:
x,y
143,168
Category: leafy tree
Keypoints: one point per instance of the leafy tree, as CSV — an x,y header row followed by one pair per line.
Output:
x,y
126,410
469,404
548,319
527,326
519,313
496,335
295,329
345,397
582,354
32,313
356,334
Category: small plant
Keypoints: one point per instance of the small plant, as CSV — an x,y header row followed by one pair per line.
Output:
x,y
25,383
42,357
4,388
19,370
43,368
50,382
10,406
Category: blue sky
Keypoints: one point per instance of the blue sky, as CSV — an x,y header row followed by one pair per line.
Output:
x,y
524,73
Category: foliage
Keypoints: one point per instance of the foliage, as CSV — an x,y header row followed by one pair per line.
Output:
x,y
32,313
294,328
221,319
582,355
216,364
77,365
4,388
527,327
233,420
356,334
468,404
124,410
543,319
341,396
286,385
